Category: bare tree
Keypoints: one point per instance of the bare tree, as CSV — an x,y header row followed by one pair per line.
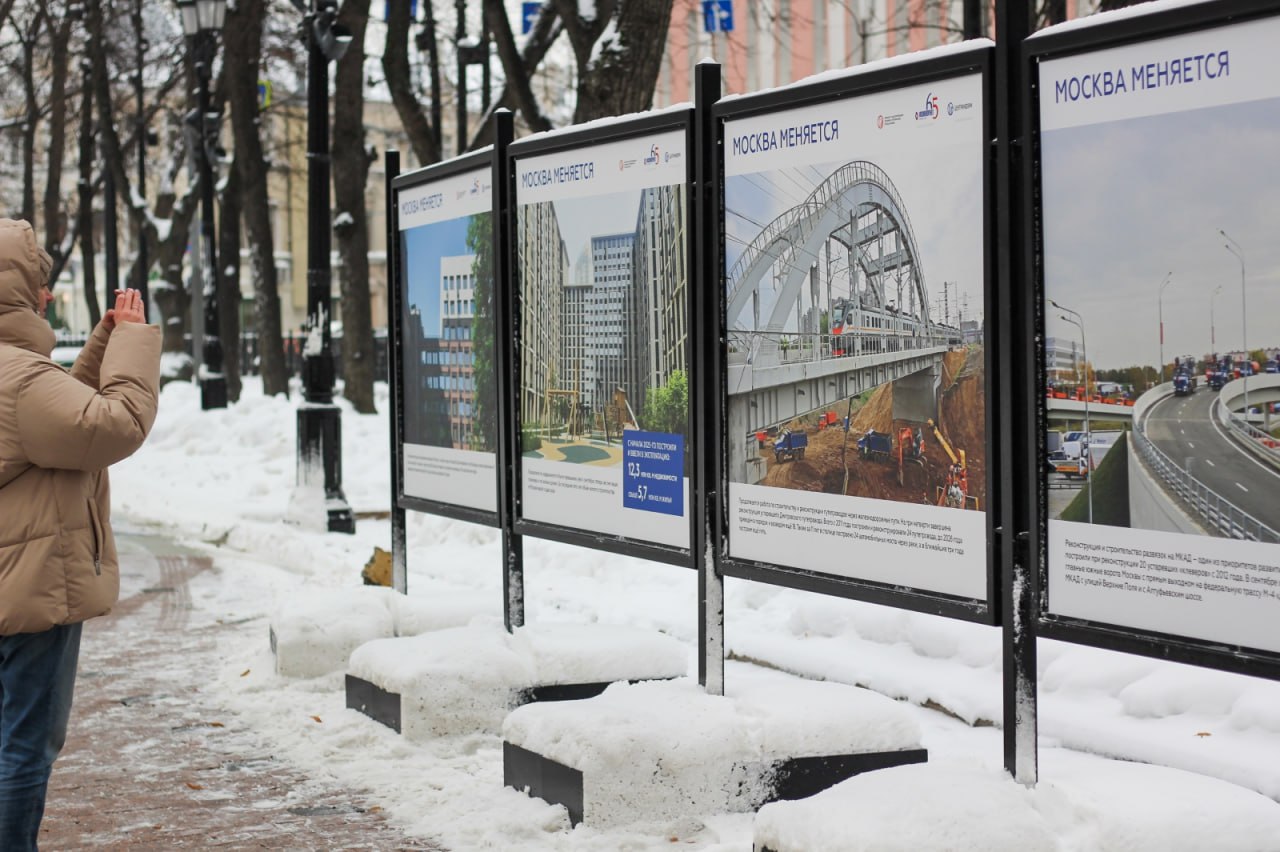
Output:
x,y
243,50
351,160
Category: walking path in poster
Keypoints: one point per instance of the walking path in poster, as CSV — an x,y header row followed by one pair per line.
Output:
x,y
855,276
602,245
1160,203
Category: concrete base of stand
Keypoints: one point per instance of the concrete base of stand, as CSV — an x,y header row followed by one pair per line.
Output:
x,y
666,751
793,778
385,707
466,680
315,634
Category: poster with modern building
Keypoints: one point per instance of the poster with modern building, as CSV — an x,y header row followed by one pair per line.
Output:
x,y
602,253
1159,204
449,390
855,274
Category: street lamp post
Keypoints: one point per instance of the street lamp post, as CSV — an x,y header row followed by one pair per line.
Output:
x,y
201,22
1085,452
1160,302
1213,336
1234,247
319,420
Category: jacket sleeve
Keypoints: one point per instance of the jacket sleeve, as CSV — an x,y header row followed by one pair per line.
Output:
x,y
88,363
63,423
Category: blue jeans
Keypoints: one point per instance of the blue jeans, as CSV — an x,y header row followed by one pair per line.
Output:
x,y
37,677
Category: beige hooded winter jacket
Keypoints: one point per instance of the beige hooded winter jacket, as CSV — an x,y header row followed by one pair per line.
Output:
x,y
58,434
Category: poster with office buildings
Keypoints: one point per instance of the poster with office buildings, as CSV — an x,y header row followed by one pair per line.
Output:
x,y
1159,205
855,277
450,403
602,248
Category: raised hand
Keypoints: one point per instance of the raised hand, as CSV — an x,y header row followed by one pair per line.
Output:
x,y
128,307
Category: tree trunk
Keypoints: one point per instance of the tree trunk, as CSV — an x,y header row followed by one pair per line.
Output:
x,y
32,118
86,201
54,226
395,65
227,280
617,76
350,177
242,38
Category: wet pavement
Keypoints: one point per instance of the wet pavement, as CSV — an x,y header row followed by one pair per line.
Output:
x,y
151,762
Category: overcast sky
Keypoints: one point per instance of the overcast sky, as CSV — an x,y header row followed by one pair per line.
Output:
x,y
1127,202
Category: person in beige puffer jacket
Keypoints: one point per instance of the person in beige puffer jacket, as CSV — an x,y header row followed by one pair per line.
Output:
x,y
58,433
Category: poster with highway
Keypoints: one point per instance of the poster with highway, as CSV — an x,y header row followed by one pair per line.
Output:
x,y
856,369
450,430
602,244
1162,329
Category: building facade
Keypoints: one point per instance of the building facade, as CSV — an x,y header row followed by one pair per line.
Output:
x,y
457,316
543,261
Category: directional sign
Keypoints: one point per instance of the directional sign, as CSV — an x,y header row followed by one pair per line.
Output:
x,y
717,16
528,16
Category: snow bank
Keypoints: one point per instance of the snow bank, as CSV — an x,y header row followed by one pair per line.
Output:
x,y
913,808
315,633
1089,806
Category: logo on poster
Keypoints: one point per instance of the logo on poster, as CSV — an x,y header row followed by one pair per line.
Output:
x,y
931,109
880,121
654,157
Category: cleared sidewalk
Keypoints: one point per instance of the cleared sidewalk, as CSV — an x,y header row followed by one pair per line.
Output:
x,y
152,763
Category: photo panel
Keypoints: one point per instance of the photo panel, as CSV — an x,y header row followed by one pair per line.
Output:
x,y
450,396
602,258
855,281
1161,348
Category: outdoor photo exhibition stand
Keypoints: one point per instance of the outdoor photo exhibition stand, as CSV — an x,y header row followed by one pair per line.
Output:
x,y
1170,547
858,272
977,333
600,262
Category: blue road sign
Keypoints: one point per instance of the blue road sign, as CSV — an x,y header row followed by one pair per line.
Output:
x,y
717,16
529,16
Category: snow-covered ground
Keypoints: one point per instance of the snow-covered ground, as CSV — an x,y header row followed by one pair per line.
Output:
x,y
223,480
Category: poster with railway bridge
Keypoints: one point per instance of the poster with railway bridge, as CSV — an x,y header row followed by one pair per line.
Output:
x,y
854,279
602,245
1160,200
450,429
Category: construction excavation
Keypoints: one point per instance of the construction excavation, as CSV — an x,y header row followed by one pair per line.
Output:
x,y
939,462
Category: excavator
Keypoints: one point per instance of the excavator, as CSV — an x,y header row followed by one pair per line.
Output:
x,y
910,449
955,493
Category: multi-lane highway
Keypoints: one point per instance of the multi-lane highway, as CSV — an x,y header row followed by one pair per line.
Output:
x,y
1184,428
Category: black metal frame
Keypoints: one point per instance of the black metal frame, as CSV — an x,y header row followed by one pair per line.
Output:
x,y
908,73
586,137
480,160
1118,33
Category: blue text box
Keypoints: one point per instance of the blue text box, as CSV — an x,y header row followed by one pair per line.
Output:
x,y
653,472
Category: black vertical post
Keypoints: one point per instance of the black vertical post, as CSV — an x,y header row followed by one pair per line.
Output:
x,y
460,36
395,379
319,420
213,384
139,90
975,19
110,249
506,329
1016,399
707,383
